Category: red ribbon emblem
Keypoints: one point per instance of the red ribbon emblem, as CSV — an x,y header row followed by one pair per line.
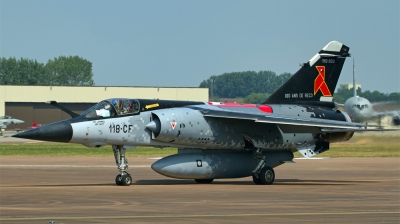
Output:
x,y
319,82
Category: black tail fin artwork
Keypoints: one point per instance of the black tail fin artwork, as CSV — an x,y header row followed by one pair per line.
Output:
x,y
316,80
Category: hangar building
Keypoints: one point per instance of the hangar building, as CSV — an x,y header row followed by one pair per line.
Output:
x,y
28,102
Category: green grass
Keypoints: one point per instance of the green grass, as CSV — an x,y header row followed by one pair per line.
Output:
x,y
76,150
358,146
364,146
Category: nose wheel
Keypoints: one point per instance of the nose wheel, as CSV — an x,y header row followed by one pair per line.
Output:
x,y
124,178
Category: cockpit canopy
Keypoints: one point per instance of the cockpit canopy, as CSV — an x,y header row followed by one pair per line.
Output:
x,y
113,107
360,107
6,117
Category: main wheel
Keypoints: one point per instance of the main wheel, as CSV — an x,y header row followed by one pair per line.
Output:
x,y
266,175
118,180
255,179
126,180
203,181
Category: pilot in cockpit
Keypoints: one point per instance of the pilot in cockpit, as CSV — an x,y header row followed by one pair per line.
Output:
x,y
125,106
117,105
132,106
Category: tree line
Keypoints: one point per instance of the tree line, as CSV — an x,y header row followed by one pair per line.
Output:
x,y
342,94
61,71
242,84
255,87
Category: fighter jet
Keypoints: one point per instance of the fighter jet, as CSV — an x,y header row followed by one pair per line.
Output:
x,y
7,120
361,110
219,140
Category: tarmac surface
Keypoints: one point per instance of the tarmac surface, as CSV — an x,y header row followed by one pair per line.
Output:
x,y
82,190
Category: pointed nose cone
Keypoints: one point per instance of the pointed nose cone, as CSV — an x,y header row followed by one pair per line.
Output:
x,y
55,132
152,126
16,121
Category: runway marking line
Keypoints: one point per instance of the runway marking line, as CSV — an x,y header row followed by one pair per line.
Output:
x,y
199,215
33,142
72,166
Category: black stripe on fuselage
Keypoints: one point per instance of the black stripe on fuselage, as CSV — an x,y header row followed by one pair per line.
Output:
x,y
145,105
149,105
335,115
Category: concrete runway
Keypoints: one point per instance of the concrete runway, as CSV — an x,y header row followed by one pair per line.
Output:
x,y
82,190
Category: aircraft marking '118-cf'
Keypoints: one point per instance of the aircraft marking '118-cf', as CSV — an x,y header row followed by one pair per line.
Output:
x,y
219,140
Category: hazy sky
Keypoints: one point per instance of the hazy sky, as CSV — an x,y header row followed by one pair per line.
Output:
x,y
181,43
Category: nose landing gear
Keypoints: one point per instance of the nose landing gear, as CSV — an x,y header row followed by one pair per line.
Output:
x,y
124,178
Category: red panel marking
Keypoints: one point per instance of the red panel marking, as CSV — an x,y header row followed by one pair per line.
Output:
x,y
263,108
237,105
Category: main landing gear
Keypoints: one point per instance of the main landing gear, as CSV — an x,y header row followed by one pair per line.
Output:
x,y
124,178
262,174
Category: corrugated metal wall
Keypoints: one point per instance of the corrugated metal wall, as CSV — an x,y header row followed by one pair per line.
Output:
x,y
41,113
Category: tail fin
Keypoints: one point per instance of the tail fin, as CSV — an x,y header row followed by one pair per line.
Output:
x,y
354,81
316,80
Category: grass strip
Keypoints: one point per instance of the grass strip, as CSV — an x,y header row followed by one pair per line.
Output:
x,y
64,149
366,146
358,146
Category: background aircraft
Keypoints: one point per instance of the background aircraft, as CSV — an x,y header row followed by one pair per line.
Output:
x,y
361,110
7,120
219,140
34,125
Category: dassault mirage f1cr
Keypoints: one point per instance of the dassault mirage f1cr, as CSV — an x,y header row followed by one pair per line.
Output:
x,y
219,140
